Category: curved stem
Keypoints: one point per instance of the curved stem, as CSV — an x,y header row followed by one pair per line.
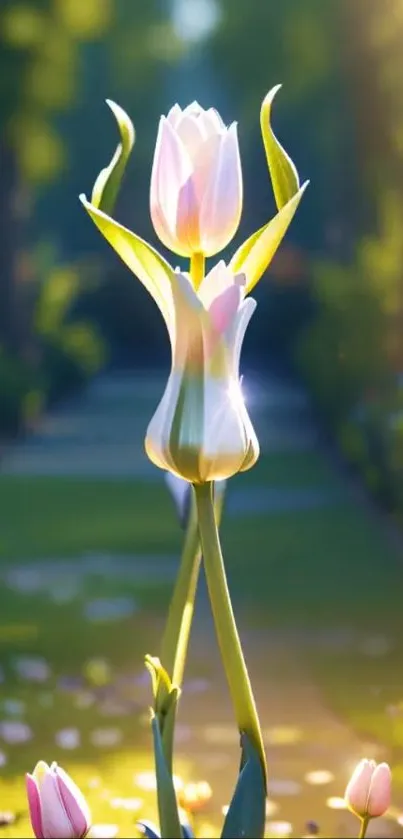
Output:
x,y
226,629
177,629
197,265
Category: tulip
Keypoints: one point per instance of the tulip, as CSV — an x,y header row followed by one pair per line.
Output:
x,y
196,181
201,430
368,792
57,808
194,797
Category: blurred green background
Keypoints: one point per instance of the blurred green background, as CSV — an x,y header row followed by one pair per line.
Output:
x,y
331,304
327,336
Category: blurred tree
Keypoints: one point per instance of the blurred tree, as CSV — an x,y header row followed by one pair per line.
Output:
x,y
296,44
58,60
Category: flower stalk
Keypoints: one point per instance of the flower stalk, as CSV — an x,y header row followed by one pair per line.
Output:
x,y
363,827
224,620
176,635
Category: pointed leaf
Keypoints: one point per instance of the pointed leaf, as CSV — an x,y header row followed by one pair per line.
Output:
x,y
284,176
151,269
107,184
167,804
167,719
255,255
246,814
159,678
148,829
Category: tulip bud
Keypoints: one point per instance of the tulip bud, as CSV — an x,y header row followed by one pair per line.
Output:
x,y
196,181
201,430
57,808
368,792
194,797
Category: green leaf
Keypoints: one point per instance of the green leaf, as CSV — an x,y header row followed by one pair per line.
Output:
x,y
151,269
247,812
159,677
167,804
254,256
107,184
284,176
167,717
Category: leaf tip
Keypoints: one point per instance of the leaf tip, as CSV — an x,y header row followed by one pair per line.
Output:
x,y
122,119
268,99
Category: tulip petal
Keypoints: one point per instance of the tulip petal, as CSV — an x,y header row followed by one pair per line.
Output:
x,y
357,790
34,806
380,791
171,170
157,437
215,282
222,201
189,317
187,350
187,217
256,253
206,161
190,130
151,269
174,115
211,122
225,440
108,182
284,176
193,109
55,821
224,308
239,328
240,325
74,802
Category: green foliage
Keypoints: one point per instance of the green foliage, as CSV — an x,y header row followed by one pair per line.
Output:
x,y
71,350
246,813
352,352
18,394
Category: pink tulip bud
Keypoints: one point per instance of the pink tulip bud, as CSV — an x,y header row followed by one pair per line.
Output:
x,y
368,792
57,808
196,181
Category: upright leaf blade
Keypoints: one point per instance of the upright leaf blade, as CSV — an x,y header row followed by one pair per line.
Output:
x,y
246,815
253,257
284,176
167,804
149,266
107,184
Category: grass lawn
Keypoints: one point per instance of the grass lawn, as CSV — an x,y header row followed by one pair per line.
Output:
x,y
315,571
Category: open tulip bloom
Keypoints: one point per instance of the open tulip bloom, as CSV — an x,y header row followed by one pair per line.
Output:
x,y
201,435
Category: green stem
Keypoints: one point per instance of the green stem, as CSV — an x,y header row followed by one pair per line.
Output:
x,y
227,633
177,629
197,265
363,827
175,640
